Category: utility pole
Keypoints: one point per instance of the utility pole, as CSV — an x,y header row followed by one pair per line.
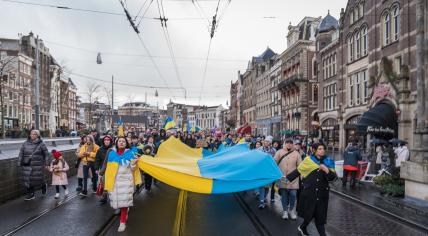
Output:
x,y
37,87
112,102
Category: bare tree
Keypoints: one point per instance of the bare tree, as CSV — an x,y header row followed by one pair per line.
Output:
x,y
92,95
108,93
6,66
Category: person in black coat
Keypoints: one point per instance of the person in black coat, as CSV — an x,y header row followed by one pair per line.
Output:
x,y
33,159
316,171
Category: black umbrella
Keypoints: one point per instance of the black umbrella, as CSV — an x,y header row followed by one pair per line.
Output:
x,y
396,141
378,141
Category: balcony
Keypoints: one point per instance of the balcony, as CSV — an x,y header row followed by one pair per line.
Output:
x,y
291,82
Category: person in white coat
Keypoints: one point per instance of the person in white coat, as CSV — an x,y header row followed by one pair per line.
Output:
x,y
403,154
121,176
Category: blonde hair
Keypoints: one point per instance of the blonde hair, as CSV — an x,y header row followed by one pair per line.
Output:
x,y
35,131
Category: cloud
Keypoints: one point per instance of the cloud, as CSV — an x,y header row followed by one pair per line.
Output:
x,y
244,31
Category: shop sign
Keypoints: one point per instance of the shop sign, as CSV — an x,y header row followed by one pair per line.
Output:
x,y
372,129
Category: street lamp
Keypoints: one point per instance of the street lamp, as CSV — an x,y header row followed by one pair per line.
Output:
x,y
99,59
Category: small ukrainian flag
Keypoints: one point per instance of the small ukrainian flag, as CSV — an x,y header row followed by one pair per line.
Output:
x,y
169,123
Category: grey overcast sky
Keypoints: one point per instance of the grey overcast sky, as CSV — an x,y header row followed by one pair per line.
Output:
x,y
246,28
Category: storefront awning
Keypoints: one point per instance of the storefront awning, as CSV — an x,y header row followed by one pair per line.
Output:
x,y
380,120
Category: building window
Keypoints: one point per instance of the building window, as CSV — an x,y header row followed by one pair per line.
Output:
x,y
361,9
334,64
358,87
315,94
357,45
351,91
396,22
365,86
364,41
351,17
350,49
386,29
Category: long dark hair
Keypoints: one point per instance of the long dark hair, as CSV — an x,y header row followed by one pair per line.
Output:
x,y
82,140
127,143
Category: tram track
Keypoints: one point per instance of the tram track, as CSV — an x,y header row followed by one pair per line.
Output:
x,y
393,217
255,220
39,215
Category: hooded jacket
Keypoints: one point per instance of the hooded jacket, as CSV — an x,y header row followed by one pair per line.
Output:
x,y
351,156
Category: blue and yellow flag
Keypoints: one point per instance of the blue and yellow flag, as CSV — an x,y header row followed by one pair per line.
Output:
x,y
311,163
114,160
234,169
169,123
186,126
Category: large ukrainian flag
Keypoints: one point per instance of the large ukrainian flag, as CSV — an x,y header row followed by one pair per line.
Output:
x,y
231,170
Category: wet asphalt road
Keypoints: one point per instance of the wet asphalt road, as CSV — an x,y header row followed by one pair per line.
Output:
x,y
155,213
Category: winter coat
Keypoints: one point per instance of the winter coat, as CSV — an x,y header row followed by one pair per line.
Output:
x,y
123,190
351,156
379,154
33,174
120,178
59,172
287,165
92,152
190,142
101,156
402,155
314,190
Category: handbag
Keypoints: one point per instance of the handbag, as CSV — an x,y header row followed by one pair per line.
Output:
x,y
100,187
26,160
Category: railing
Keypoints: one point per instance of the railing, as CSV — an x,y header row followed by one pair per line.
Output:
x,y
50,142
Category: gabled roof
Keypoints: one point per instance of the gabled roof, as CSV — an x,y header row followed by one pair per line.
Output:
x,y
266,55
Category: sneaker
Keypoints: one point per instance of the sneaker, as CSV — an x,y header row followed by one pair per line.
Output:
x,y
30,197
56,195
83,193
262,205
66,193
285,215
302,232
44,189
122,227
293,215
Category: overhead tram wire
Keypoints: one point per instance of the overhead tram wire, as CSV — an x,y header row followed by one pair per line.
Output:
x,y
214,25
141,8
144,14
141,55
201,13
91,10
147,50
164,20
126,84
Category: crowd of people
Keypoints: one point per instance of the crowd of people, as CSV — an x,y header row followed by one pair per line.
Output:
x,y
111,162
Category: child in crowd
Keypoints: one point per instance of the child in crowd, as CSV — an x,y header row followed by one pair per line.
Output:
x,y
59,168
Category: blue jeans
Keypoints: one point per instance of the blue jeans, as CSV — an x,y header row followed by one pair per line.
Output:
x,y
288,197
262,193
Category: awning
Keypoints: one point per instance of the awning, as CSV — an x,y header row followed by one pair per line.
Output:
x,y
380,120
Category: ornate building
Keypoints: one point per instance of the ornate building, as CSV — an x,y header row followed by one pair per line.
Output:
x,y
299,88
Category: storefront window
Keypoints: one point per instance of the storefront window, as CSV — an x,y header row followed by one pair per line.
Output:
x,y
330,133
